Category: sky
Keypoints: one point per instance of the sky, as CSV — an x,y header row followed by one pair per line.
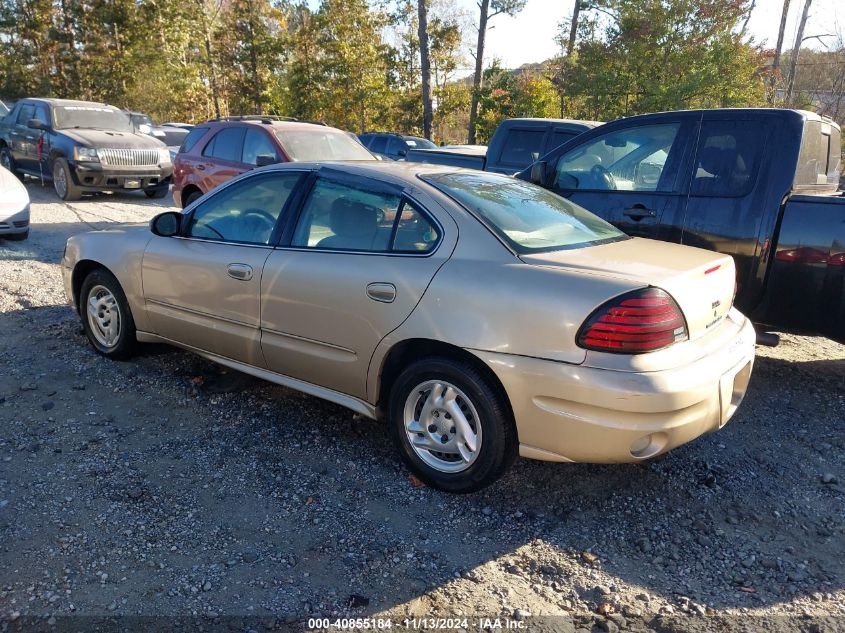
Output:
x,y
530,36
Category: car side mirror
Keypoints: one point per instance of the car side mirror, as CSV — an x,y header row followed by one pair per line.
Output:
x,y
262,160
36,124
538,172
402,152
166,224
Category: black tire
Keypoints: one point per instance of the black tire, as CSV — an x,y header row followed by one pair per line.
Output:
x,y
499,444
125,341
8,161
193,196
158,192
16,237
63,183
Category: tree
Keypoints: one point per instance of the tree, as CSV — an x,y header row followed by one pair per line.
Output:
x,y
488,9
425,66
796,50
637,56
507,94
778,49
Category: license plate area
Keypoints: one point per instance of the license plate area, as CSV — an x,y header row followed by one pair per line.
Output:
x,y
132,183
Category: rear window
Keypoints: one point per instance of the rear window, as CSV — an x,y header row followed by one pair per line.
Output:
x,y
527,217
322,144
522,147
192,139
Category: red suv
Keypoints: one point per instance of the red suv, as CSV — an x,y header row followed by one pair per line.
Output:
x,y
219,150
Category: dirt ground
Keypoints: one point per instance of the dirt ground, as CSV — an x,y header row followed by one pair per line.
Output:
x,y
165,487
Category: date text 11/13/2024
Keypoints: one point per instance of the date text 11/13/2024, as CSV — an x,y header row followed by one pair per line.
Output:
x,y
417,624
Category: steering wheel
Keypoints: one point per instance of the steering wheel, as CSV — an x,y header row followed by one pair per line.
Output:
x,y
601,176
257,221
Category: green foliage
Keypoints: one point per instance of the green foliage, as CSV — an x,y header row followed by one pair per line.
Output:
x,y
508,94
650,55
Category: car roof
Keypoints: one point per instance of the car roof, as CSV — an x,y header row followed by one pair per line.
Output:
x,y
400,173
71,102
267,123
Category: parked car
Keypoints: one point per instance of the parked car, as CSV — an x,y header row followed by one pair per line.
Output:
x,y
171,135
516,144
82,147
481,315
393,146
14,207
219,150
759,185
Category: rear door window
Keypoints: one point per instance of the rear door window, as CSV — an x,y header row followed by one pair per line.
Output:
x,y
522,147
395,147
379,145
727,158
227,144
192,139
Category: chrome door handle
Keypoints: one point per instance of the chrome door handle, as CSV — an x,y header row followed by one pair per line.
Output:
x,y
381,291
241,272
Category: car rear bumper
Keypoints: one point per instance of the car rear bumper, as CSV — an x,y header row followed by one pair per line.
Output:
x,y
96,177
567,412
15,223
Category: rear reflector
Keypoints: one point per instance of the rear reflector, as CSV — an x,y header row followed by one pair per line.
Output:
x,y
640,321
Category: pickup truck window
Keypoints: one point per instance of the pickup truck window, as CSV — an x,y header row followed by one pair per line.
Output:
x,y
522,147
379,144
633,159
25,114
727,158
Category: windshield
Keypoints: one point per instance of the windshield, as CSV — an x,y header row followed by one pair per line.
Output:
x,y
311,145
100,117
3,109
419,143
526,216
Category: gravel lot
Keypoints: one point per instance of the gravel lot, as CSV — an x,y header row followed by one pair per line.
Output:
x,y
165,486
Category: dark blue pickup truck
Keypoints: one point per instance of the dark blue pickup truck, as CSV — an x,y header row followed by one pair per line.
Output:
x,y
758,184
516,143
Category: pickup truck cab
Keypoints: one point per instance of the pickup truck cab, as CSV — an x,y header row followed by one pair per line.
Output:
x,y
758,184
82,147
516,144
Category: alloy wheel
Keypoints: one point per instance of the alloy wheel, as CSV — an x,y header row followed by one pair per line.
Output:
x,y
443,426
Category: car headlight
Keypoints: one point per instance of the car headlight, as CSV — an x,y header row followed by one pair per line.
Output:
x,y
163,155
85,153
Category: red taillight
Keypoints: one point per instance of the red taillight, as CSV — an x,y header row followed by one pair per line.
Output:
x,y
640,321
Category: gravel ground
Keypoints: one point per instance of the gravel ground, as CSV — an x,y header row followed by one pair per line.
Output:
x,y
167,486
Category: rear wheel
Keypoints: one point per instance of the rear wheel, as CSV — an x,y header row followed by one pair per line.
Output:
x,y
452,426
106,317
8,162
63,183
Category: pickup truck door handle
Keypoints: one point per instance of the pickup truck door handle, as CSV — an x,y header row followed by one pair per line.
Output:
x,y
241,272
381,291
638,212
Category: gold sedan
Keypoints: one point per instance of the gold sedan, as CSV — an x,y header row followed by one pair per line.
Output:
x,y
481,316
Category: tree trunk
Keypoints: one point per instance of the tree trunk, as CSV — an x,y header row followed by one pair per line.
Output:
x,y
425,67
796,49
253,62
479,66
573,29
778,49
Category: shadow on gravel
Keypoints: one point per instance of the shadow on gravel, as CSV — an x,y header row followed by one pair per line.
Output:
x,y
214,491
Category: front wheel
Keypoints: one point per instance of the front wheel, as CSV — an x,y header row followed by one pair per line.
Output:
x,y
7,161
106,317
63,183
451,425
158,192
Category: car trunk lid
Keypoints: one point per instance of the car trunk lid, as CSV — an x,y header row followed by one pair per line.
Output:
x,y
700,281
